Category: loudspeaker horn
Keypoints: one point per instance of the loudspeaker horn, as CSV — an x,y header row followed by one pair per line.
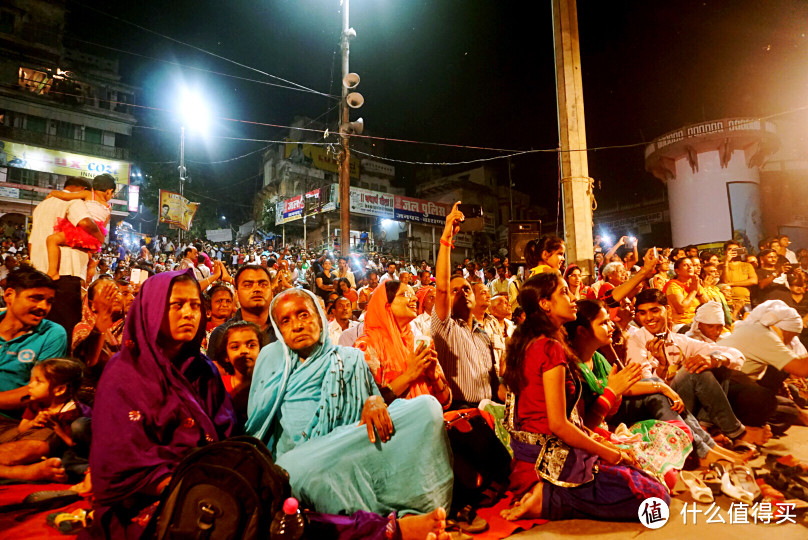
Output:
x,y
350,81
352,128
354,100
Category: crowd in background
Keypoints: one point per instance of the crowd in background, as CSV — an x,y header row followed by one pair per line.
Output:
x,y
665,359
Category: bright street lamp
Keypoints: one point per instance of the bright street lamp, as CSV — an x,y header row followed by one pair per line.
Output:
x,y
194,114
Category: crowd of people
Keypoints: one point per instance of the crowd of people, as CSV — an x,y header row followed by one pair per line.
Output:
x,y
118,364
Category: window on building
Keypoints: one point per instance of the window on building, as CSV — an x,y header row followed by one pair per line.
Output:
x,y
92,135
36,123
122,141
6,22
34,81
66,130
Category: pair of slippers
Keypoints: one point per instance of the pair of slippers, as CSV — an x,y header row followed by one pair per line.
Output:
x,y
735,481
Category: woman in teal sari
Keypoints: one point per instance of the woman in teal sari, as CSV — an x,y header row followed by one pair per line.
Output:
x,y
309,401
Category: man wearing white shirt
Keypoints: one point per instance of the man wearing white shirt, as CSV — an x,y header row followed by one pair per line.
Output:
x,y
342,319
390,274
66,309
694,370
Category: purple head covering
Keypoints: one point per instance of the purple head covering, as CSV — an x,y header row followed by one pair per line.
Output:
x,y
149,411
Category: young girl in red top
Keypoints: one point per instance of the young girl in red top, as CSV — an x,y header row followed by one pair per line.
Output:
x,y
560,469
67,234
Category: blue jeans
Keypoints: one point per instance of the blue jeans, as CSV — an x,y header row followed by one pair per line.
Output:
x,y
701,392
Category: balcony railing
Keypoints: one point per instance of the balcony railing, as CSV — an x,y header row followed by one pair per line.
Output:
x,y
63,143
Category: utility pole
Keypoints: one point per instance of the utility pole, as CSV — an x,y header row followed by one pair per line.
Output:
x,y
345,165
575,181
182,176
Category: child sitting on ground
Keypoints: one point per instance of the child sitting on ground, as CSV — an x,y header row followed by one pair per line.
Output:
x,y
69,235
50,409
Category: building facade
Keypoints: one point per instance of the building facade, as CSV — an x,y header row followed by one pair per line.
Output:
x,y
63,112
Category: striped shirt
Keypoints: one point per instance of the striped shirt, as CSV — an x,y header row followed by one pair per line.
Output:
x,y
466,356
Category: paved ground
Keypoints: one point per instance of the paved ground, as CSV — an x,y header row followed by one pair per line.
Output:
x,y
795,442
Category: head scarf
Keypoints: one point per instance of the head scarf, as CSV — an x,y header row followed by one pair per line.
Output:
x,y
389,343
711,312
775,313
145,397
421,294
346,382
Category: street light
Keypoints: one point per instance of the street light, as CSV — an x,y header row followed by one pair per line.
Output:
x,y
194,113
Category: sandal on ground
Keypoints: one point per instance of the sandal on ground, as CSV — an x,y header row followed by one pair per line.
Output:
x,y
730,484
746,479
698,489
468,521
786,463
70,522
768,491
789,488
712,480
746,449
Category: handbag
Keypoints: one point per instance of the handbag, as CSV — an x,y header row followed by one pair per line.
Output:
x,y
556,461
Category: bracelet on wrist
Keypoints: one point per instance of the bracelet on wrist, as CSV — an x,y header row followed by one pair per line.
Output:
x,y
447,243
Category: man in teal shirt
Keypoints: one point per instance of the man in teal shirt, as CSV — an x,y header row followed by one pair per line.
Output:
x,y
25,336
25,339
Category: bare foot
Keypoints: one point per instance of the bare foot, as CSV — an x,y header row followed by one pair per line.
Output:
x,y
53,275
85,486
49,469
528,507
421,526
722,439
717,453
757,435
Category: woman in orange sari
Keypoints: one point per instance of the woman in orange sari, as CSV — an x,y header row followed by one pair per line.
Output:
x,y
401,369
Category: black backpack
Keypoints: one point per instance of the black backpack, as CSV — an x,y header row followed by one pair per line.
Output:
x,y
227,490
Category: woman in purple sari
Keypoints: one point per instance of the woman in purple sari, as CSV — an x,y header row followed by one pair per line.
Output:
x,y
158,398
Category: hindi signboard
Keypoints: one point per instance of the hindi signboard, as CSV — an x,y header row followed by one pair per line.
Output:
x,y
420,210
372,203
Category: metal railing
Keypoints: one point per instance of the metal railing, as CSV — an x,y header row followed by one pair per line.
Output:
x,y
63,143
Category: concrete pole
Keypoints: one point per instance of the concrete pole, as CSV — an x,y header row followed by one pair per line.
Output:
x,y
345,167
575,181
409,238
434,252
182,176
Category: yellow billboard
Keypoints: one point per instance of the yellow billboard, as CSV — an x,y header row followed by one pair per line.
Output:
x,y
316,156
25,156
176,210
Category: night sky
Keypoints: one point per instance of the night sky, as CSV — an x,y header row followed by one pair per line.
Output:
x,y
464,72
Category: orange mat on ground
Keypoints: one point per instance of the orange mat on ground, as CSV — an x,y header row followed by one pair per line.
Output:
x,y
25,525
501,528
